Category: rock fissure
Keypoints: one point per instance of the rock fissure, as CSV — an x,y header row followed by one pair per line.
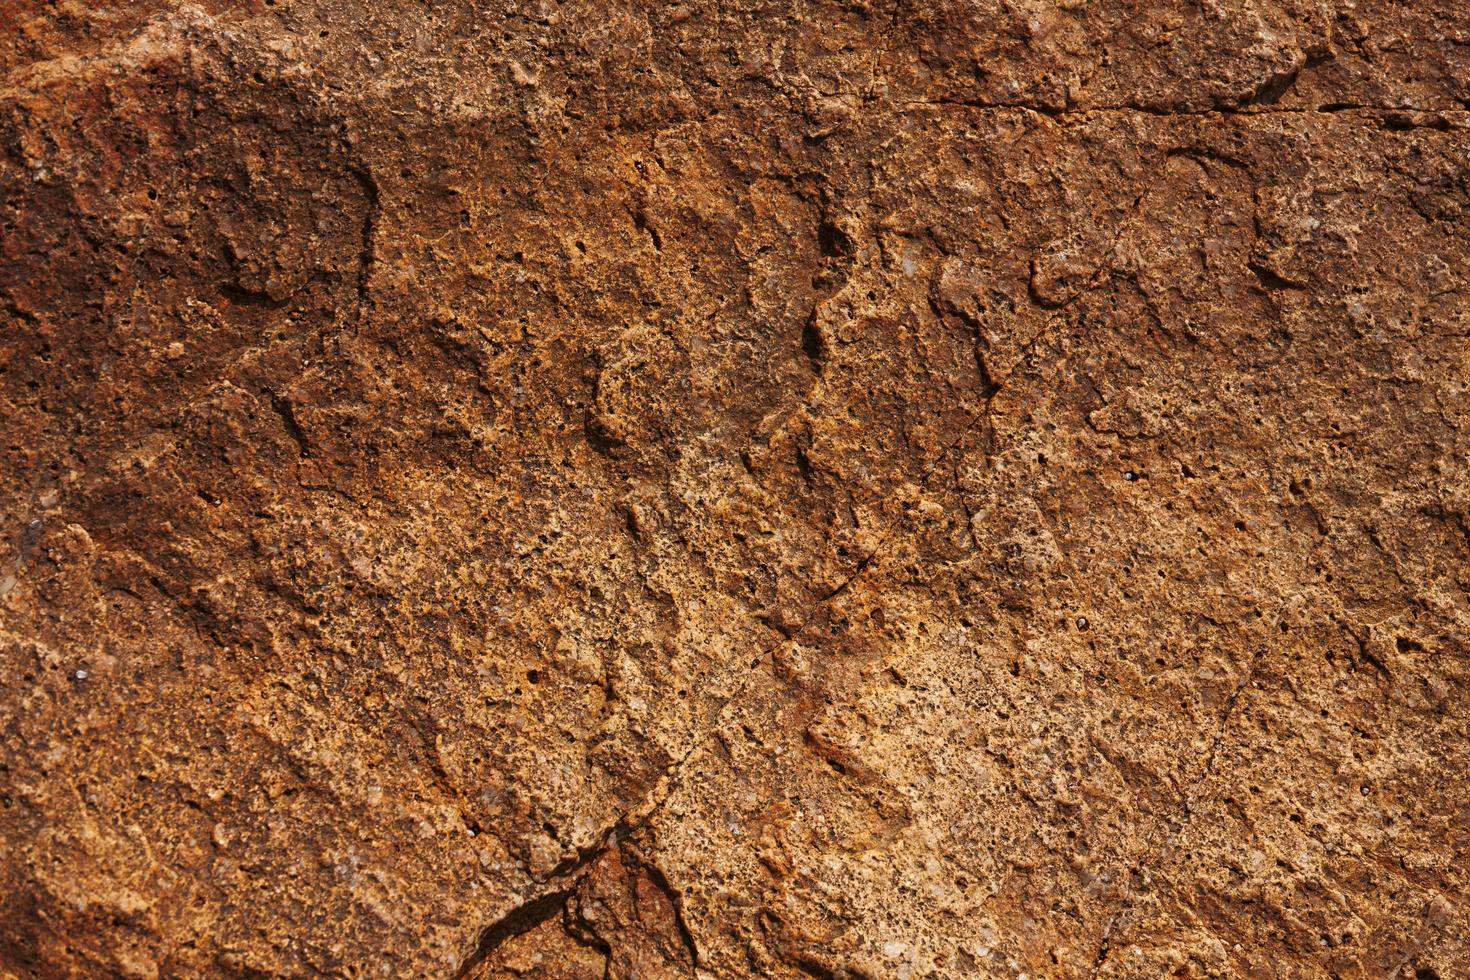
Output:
x,y
601,491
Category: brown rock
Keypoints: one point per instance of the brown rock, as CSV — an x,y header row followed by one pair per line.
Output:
x,y
569,490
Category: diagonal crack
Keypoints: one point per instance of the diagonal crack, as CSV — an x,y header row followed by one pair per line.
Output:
x,y
1190,803
518,921
676,901
566,876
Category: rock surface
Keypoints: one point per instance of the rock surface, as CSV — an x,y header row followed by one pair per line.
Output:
x,y
569,489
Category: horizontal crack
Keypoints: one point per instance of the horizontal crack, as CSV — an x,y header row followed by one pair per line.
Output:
x,y
1250,109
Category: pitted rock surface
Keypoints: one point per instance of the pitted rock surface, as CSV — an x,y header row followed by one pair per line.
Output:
x,y
567,489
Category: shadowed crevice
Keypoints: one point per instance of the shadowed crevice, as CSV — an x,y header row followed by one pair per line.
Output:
x,y
519,921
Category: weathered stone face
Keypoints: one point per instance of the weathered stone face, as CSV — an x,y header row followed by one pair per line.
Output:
x,y
894,490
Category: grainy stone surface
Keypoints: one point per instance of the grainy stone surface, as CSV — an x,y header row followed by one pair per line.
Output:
x,y
564,489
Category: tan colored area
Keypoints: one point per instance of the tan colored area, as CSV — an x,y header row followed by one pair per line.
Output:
x,y
570,490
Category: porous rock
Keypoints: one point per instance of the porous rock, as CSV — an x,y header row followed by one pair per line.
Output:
x,y
838,489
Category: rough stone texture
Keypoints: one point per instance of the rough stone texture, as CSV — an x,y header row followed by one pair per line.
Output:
x,y
570,489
